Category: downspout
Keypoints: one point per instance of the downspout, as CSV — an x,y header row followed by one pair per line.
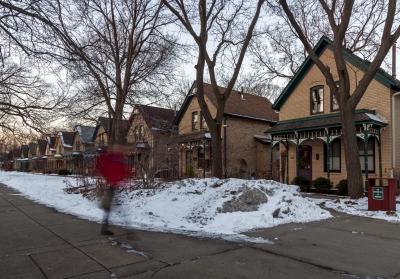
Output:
x,y
394,123
225,149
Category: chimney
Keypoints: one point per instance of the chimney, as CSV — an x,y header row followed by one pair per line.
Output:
x,y
394,48
241,94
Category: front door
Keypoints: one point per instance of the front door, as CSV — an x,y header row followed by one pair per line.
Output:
x,y
305,161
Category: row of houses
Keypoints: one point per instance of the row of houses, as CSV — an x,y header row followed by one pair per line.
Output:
x,y
162,142
298,135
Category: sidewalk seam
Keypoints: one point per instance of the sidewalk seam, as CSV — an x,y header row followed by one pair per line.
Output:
x,y
60,237
37,265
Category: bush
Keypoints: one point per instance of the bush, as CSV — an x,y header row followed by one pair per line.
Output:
x,y
303,182
64,172
342,188
322,183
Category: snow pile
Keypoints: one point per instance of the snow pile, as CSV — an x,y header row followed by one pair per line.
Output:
x,y
191,206
359,207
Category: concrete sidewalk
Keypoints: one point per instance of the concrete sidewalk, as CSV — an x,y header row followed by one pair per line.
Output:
x,y
38,242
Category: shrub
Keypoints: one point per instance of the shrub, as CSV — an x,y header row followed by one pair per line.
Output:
x,y
322,183
64,172
342,188
303,182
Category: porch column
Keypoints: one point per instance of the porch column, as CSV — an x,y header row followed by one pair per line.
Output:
x,y
271,156
380,152
287,162
328,155
365,153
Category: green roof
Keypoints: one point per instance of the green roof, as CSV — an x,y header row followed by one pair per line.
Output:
x,y
350,57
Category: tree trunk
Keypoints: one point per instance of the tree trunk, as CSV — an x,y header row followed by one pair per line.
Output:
x,y
353,166
216,150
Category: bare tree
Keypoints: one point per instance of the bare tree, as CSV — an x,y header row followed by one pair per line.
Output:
x,y
116,46
222,35
278,52
26,101
349,30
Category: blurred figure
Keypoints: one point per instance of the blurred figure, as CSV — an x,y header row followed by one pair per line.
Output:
x,y
112,165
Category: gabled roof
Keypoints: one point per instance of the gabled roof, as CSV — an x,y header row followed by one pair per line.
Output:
x,y
42,145
322,121
51,141
350,57
106,123
156,118
86,133
66,138
239,104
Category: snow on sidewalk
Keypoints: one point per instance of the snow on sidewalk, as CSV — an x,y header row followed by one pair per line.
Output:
x,y
359,207
191,206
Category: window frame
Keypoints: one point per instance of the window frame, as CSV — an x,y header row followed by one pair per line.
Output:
x,y
194,123
312,89
373,155
331,97
326,156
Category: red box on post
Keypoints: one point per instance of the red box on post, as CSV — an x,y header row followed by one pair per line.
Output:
x,y
382,196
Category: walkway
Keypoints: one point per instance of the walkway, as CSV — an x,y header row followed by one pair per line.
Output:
x,y
38,242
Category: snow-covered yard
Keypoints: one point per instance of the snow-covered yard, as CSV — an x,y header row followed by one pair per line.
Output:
x,y
203,207
359,207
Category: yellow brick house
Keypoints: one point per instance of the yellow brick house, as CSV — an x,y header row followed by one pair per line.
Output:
x,y
308,133
245,147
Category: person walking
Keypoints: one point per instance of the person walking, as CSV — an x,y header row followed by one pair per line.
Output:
x,y
112,165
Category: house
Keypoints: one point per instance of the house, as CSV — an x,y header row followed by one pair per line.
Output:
x,y
63,149
308,133
83,150
245,147
50,153
103,129
32,146
40,162
22,163
150,133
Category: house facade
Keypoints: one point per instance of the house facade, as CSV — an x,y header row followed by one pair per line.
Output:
x,y
149,136
245,147
83,155
308,134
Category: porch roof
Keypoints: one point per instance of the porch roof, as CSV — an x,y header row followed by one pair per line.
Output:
x,y
323,121
197,136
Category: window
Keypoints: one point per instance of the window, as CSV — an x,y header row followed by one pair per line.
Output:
x,y
334,102
370,157
195,121
203,124
139,133
334,156
317,99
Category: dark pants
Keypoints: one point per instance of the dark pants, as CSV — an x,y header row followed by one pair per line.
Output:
x,y
107,204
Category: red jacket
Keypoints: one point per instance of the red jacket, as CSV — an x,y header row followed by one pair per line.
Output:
x,y
113,167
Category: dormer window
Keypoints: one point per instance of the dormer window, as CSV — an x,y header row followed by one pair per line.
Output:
x,y
317,99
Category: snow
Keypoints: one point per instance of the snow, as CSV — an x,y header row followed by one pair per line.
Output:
x,y
377,117
359,207
188,206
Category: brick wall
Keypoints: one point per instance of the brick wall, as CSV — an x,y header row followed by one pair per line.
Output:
x,y
377,97
242,156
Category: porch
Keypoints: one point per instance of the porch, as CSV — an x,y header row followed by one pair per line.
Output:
x,y
312,147
195,154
